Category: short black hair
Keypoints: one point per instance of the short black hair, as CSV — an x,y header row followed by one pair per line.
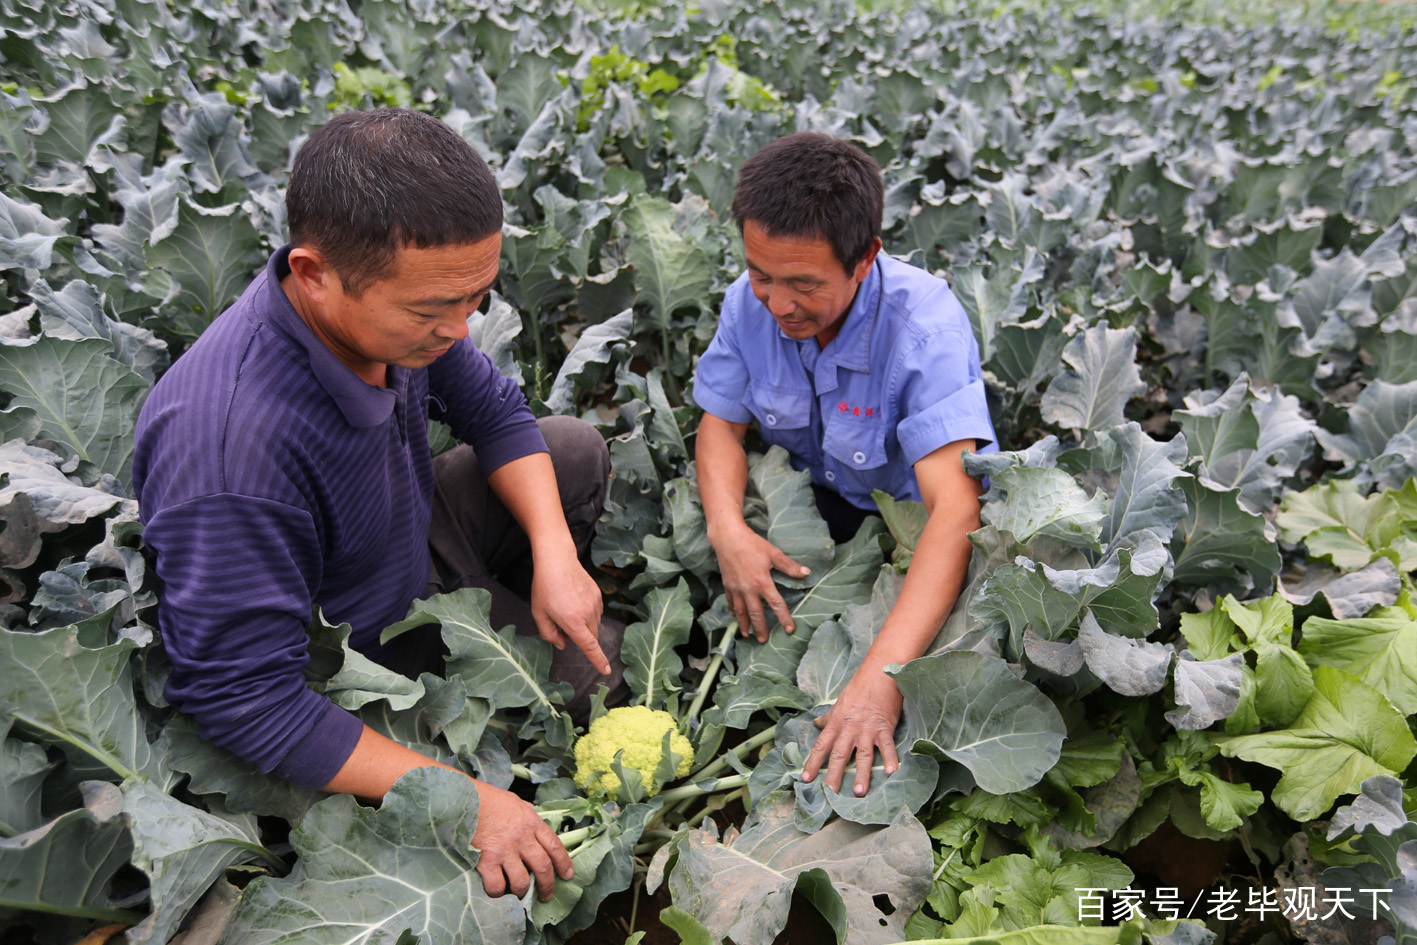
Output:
x,y
812,185
366,184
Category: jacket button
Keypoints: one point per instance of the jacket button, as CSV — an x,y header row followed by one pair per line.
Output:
x,y
858,457
831,476
771,419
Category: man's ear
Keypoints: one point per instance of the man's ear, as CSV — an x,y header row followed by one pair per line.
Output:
x,y
868,259
312,273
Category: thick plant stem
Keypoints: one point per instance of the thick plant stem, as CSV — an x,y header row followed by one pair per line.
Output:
x,y
719,802
675,795
574,838
710,674
738,751
521,771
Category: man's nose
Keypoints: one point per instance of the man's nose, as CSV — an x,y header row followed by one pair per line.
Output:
x,y
453,328
781,302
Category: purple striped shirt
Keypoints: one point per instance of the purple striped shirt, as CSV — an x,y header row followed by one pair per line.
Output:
x,y
272,480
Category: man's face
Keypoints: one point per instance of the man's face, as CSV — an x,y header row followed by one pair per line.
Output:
x,y
801,282
412,316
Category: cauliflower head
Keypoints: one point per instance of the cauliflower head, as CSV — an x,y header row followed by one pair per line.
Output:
x,y
636,730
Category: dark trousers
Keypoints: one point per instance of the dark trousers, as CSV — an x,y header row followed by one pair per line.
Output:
x,y
474,541
842,518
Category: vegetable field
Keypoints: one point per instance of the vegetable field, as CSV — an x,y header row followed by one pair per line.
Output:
x,y
1188,249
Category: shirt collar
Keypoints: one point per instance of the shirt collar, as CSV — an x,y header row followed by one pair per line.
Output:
x,y
362,404
851,348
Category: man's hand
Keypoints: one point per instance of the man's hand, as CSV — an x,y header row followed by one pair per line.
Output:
x,y
566,602
516,845
862,721
746,561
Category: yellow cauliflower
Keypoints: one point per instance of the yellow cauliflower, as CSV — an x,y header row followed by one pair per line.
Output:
x,y
636,730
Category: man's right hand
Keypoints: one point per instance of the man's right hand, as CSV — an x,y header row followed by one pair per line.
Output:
x,y
516,845
746,561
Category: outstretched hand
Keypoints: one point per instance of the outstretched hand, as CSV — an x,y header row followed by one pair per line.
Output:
x,y
516,846
861,722
746,561
567,604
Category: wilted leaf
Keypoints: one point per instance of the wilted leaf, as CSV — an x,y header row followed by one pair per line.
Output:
x,y
1130,667
55,498
1379,806
743,889
1209,690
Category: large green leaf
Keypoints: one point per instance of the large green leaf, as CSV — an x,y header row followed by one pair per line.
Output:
x,y
998,299
1219,539
243,789
1048,502
672,271
27,237
794,525
209,256
366,875
495,332
1382,432
1380,649
23,768
183,850
652,665
508,669
1139,473
1247,439
65,867
591,353
1346,733
742,889
210,136
1101,376
83,397
79,698
971,709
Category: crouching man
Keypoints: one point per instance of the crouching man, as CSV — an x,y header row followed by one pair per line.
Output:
x,y
865,370
283,464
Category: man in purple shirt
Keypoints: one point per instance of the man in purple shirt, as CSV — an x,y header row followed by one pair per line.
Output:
x,y
283,465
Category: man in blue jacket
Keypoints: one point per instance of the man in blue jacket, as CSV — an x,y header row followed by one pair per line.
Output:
x,y
866,370
283,465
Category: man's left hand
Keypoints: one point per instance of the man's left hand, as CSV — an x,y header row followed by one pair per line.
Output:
x,y
862,722
566,603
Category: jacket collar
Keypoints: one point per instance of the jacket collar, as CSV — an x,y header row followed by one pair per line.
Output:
x,y
362,404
